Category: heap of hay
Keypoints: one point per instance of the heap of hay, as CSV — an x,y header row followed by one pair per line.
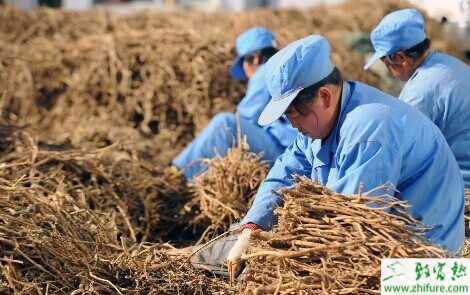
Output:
x,y
145,202
327,243
21,26
151,80
74,222
132,86
225,191
59,246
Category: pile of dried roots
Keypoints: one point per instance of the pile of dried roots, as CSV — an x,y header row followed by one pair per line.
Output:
x,y
145,201
137,87
60,246
225,191
76,221
327,243
151,80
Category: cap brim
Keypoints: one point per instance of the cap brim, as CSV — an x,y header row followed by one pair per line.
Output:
x,y
236,71
276,107
374,59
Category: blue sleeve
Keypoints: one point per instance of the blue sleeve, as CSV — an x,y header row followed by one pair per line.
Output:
x,y
370,163
291,162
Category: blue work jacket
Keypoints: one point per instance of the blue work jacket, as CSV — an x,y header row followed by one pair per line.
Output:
x,y
256,98
377,139
440,89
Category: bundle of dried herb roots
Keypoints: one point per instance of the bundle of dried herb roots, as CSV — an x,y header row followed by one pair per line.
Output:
x,y
225,191
327,243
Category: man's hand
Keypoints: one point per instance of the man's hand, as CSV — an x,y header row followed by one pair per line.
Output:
x,y
235,254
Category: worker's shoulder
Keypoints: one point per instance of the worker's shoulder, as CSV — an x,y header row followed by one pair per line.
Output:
x,y
367,102
257,83
440,78
372,113
442,69
260,74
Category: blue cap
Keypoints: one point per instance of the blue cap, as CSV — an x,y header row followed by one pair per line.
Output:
x,y
248,42
295,67
399,30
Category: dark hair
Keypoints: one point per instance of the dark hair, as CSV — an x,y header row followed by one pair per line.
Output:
x,y
264,55
309,93
419,49
416,51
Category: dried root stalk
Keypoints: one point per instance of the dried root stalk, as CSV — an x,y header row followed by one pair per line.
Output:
x,y
225,191
327,243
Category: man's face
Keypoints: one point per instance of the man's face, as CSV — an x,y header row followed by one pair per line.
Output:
x,y
250,68
315,119
400,66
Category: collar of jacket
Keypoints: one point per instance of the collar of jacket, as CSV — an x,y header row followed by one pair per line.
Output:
x,y
422,65
258,77
322,149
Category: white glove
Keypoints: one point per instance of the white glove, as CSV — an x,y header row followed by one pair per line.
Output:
x,y
235,254
241,245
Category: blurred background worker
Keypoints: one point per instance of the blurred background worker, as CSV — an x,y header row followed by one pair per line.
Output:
x,y
352,133
254,48
436,83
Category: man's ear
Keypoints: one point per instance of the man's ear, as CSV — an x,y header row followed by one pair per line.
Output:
x,y
400,58
256,60
326,96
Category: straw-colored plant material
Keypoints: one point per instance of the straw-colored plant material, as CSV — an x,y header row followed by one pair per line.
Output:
x,y
327,243
144,84
132,86
73,222
151,79
146,202
466,248
226,189
21,26
55,245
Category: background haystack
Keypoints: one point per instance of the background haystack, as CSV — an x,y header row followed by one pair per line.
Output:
x,y
151,80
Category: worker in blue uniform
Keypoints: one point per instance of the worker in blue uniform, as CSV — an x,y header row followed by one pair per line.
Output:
x,y
352,134
437,84
254,47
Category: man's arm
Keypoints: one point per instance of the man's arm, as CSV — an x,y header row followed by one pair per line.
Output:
x,y
291,162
